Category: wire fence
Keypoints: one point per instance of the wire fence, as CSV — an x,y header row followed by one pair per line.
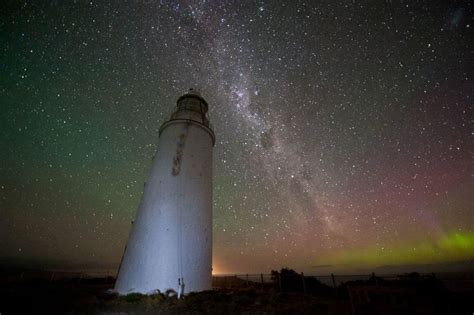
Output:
x,y
284,282
252,279
277,281
218,281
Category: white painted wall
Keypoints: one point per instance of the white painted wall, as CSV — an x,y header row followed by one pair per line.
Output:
x,y
171,237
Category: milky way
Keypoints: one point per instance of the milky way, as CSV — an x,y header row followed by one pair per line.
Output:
x,y
344,130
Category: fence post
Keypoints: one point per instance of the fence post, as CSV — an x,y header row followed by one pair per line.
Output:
x,y
375,278
334,283
304,284
261,279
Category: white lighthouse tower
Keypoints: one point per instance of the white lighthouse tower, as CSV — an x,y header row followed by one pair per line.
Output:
x,y
170,245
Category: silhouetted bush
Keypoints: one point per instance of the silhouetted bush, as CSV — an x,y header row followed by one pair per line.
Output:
x,y
288,280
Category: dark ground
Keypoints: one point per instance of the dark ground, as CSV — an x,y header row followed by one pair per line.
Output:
x,y
409,294
56,298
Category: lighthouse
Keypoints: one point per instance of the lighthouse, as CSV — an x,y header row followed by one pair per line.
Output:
x,y
170,244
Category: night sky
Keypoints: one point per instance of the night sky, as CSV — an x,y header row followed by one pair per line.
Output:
x,y
344,128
